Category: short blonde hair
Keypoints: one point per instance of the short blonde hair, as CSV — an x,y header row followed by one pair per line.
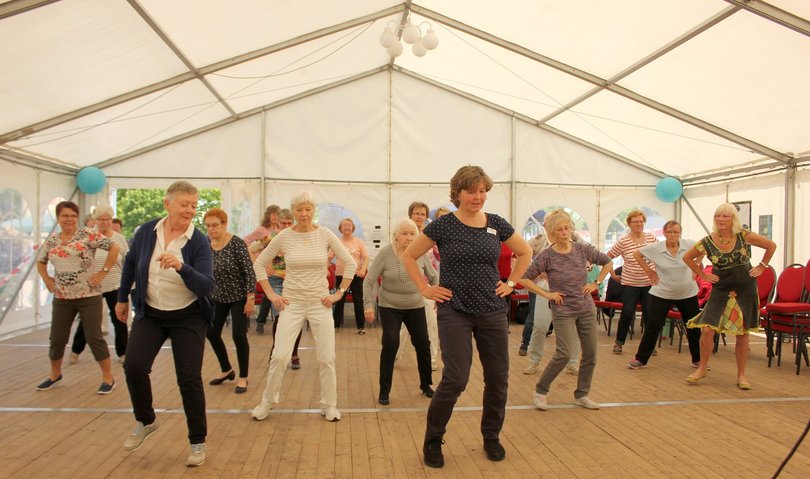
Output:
x,y
632,214
731,209
401,224
466,178
552,220
103,210
440,211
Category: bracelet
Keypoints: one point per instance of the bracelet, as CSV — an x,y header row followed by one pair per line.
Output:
x,y
763,264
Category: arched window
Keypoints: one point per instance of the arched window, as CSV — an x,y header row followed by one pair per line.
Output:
x,y
16,250
534,224
331,214
46,226
618,227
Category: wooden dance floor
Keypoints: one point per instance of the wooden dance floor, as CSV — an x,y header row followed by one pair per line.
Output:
x,y
652,423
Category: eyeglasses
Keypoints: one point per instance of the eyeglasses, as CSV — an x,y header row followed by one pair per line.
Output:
x,y
285,223
212,225
637,222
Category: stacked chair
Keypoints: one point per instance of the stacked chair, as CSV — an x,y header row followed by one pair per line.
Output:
x,y
788,316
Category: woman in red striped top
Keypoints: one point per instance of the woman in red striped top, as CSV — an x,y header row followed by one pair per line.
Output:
x,y
635,283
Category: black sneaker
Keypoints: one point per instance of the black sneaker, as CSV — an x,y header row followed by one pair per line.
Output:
x,y
427,391
259,328
432,450
383,400
494,450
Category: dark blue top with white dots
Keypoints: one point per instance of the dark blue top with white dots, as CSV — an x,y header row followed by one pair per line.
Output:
x,y
470,261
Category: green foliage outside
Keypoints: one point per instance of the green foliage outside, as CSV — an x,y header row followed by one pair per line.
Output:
x,y
138,206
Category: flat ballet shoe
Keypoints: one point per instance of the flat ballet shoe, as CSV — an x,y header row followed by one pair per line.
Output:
x,y
744,386
228,377
695,379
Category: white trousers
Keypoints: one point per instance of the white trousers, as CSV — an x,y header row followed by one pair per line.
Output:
x,y
290,322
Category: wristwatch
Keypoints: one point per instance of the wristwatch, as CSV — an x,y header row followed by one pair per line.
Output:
x,y
106,270
342,290
511,284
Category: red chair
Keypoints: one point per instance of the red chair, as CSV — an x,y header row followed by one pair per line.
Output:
x,y
789,314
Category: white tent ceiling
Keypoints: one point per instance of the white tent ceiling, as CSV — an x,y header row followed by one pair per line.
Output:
x,y
674,87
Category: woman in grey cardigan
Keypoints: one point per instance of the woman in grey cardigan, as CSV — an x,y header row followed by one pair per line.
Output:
x,y
400,303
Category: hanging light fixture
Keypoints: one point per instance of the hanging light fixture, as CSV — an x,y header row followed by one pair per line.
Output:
x,y
412,35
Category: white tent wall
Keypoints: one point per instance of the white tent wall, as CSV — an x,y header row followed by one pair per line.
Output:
x,y
229,151
38,188
337,135
434,132
544,157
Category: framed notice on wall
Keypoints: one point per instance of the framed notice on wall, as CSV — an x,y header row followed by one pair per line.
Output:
x,y
744,210
766,226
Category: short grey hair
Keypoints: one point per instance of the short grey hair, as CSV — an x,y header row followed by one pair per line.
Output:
x,y
183,187
401,224
302,197
285,214
103,210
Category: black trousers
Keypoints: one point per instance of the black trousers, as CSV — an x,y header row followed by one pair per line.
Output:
x,y
238,332
456,332
657,309
356,288
414,320
631,296
79,341
186,329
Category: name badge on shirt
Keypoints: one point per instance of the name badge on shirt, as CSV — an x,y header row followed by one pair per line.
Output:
x,y
492,231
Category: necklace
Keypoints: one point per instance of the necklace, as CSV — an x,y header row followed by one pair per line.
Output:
x,y
723,241
403,275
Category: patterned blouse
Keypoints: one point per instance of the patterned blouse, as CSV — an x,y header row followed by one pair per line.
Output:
x,y
233,272
739,256
73,262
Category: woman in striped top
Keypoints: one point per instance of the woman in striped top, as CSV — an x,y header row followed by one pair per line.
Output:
x,y
306,297
635,282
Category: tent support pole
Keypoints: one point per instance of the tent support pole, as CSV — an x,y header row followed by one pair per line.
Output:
x,y
790,213
694,212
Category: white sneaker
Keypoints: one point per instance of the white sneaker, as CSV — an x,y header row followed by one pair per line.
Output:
x,y
139,435
572,369
197,456
586,402
121,359
73,358
331,414
531,368
541,401
261,411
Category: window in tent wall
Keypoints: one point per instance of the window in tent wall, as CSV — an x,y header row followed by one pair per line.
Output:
x,y
534,224
618,228
331,214
432,213
46,227
17,252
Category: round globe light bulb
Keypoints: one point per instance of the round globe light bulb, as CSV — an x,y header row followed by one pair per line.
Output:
x,y
419,49
387,38
431,40
395,50
410,34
